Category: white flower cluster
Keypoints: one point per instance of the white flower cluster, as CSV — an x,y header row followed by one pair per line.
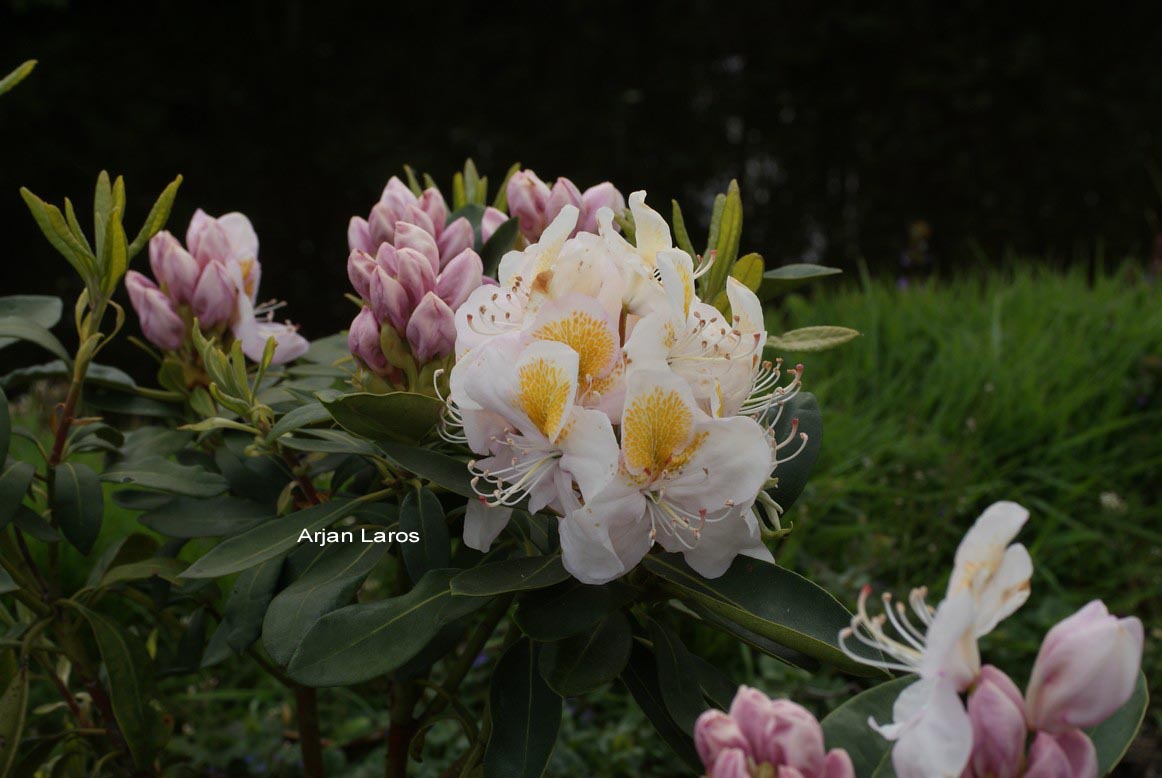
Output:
x,y
593,382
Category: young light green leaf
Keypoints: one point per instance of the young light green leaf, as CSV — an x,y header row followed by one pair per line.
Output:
x,y
749,270
681,236
52,223
531,713
500,202
812,338
787,277
78,504
422,513
6,84
158,216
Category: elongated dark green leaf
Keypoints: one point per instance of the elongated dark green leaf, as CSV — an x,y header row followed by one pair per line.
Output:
x,y
162,567
510,575
770,601
13,485
97,375
13,329
326,585
363,641
44,310
783,279
128,667
846,726
399,416
302,416
498,244
78,504
187,657
268,540
125,550
531,716
718,689
640,676
246,607
793,474
5,428
758,642
154,472
565,609
32,523
1112,738
676,670
6,582
193,517
13,709
422,513
440,469
581,663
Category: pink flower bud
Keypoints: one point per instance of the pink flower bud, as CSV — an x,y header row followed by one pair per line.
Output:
x,y
563,193
998,725
457,237
731,763
215,296
715,733
359,235
837,764
1068,755
490,222
415,275
174,268
363,342
603,195
360,266
528,200
381,223
1086,669
397,194
431,331
159,321
432,203
206,239
413,215
389,301
410,236
780,732
460,278
386,258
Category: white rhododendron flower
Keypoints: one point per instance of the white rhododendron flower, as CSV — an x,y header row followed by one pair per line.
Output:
x,y
595,385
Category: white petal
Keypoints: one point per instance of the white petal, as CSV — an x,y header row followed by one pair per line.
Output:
x,y
722,540
985,542
745,305
240,232
951,651
651,233
936,741
607,537
1006,591
590,450
732,463
482,523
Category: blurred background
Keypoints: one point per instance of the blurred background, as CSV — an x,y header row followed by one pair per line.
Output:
x,y
988,176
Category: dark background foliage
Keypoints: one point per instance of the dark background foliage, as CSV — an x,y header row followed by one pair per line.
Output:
x,y
1032,129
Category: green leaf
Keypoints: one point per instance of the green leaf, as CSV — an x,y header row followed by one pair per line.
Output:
x,y
771,601
724,240
13,485
158,216
758,642
510,575
499,244
749,270
681,236
97,375
193,517
787,277
125,550
246,607
676,669
29,521
362,641
52,223
422,513
568,608
716,686
582,663
399,416
155,472
129,685
166,568
41,309
500,202
114,256
302,416
440,469
792,474
6,84
846,727
531,715
13,709
268,540
78,504
6,582
13,329
102,206
1112,738
328,583
812,338
641,678
5,429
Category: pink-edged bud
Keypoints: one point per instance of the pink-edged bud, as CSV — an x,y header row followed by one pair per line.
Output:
x,y
413,215
731,763
603,195
215,296
397,194
359,235
780,732
1086,669
389,301
431,331
1067,755
415,275
432,203
363,342
360,266
173,267
206,240
563,193
460,278
837,764
411,236
159,321
490,222
456,237
381,223
714,733
528,200
997,713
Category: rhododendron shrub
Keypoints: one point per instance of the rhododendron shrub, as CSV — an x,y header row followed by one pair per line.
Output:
x,y
554,437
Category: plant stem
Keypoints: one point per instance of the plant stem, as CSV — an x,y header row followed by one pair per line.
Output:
x,y
307,709
402,728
